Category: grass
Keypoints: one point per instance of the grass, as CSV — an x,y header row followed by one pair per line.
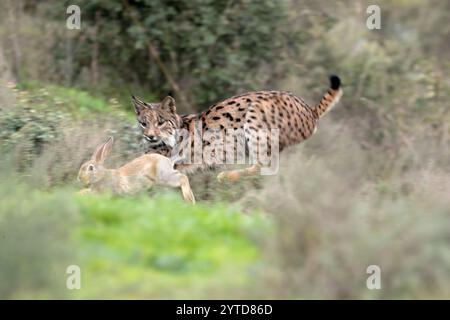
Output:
x,y
311,231
334,219
143,247
79,102
128,247
75,101
168,242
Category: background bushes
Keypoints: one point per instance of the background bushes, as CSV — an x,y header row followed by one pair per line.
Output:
x,y
371,186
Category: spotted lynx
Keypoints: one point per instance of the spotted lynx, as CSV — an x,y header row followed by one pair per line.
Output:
x,y
250,112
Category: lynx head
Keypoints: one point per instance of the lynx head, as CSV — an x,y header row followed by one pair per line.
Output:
x,y
158,121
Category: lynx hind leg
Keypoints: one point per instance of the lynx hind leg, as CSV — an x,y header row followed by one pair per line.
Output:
x,y
253,138
235,175
169,177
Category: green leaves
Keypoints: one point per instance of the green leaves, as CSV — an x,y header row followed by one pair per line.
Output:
x,y
212,49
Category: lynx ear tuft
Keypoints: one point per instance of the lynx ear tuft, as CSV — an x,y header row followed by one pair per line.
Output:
x,y
139,105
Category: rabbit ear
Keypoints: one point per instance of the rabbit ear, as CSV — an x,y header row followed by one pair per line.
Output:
x,y
102,151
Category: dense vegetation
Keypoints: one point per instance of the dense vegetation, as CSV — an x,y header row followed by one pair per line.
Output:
x,y
371,187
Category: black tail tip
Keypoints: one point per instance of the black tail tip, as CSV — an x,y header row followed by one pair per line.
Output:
x,y
335,82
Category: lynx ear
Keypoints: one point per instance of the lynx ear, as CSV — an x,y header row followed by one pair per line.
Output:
x,y
168,104
102,151
139,105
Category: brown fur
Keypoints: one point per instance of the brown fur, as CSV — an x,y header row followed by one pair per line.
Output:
x,y
138,174
294,118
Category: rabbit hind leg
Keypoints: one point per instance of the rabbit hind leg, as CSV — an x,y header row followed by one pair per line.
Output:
x,y
176,179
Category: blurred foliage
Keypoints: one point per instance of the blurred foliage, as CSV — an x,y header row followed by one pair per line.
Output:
x,y
204,44
370,187
334,221
77,102
132,239
35,244
44,131
29,130
120,242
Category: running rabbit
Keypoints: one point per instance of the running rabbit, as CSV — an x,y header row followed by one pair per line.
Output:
x,y
140,173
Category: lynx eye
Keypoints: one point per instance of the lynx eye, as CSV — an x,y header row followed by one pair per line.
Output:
x,y
161,121
143,124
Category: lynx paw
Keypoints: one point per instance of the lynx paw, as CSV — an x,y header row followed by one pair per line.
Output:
x,y
228,176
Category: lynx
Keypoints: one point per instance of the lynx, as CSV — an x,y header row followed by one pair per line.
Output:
x,y
251,112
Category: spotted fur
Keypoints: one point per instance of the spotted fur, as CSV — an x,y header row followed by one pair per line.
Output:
x,y
294,118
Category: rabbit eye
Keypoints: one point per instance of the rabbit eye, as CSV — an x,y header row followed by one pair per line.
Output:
x,y
91,167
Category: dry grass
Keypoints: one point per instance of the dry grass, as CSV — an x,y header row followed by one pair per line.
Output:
x,y
336,217
60,161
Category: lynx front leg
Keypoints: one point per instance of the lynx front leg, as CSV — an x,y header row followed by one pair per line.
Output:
x,y
234,175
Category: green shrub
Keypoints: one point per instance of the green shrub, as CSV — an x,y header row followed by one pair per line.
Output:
x,y
211,48
48,132
162,246
158,247
35,241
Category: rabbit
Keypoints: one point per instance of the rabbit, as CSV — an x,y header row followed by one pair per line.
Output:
x,y
140,173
